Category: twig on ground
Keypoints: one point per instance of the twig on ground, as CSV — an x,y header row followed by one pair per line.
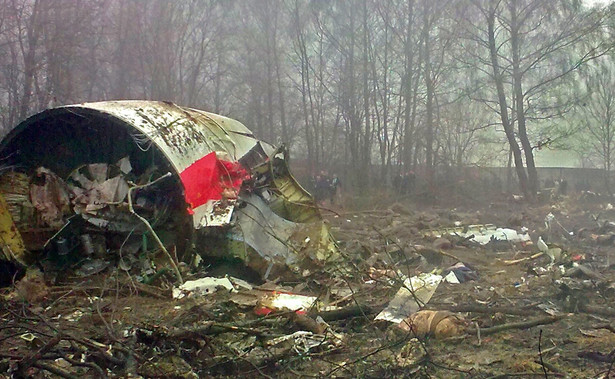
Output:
x,y
362,358
478,333
608,373
449,255
602,311
515,261
149,226
512,374
554,370
522,324
608,327
542,363
30,360
477,308
348,312
54,370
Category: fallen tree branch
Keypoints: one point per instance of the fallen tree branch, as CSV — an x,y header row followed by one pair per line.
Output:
x,y
515,261
151,291
449,255
149,226
608,327
542,363
32,359
521,325
209,329
603,311
554,370
54,370
306,323
347,312
512,374
146,289
477,308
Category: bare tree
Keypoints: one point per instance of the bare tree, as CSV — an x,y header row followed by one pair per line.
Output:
x,y
526,42
598,114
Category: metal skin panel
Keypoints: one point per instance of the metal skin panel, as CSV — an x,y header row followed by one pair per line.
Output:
x,y
184,135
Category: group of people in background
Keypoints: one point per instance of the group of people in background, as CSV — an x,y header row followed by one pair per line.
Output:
x,y
559,185
404,183
326,187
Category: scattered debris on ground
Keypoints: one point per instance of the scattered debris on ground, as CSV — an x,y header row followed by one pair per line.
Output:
x,y
117,267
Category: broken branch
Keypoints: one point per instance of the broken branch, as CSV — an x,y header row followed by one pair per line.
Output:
x,y
515,261
54,370
522,324
476,308
149,226
344,313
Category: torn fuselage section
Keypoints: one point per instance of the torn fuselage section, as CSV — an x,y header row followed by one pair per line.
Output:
x,y
76,180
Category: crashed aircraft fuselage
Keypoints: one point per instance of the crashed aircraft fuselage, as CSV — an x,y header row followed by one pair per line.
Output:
x,y
75,164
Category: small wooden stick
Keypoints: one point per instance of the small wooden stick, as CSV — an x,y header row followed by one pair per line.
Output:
x,y
521,325
149,226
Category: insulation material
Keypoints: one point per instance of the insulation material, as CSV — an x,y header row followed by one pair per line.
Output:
x,y
203,286
50,197
288,301
98,192
412,296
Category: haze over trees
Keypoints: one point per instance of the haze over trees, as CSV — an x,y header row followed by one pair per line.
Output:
x,y
364,85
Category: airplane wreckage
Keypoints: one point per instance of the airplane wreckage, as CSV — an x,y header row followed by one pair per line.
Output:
x,y
88,186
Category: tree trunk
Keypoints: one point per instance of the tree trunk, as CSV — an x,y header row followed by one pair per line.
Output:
x,y
29,50
429,121
281,94
364,173
532,186
499,83
410,90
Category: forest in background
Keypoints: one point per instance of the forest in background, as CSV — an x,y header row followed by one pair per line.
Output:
x,y
361,85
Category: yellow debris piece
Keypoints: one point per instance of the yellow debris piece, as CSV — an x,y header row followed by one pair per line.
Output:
x,y
12,245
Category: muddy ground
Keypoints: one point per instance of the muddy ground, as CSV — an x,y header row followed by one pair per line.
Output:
x,y
518,315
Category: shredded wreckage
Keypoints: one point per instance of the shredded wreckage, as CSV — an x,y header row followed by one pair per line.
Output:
x,y
132,216
81,180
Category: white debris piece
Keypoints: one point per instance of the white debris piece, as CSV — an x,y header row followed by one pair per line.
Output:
x,y
290,301
304,341
240,283
484,233
542,246
203,286
451,278
413,294
124,165
484,236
